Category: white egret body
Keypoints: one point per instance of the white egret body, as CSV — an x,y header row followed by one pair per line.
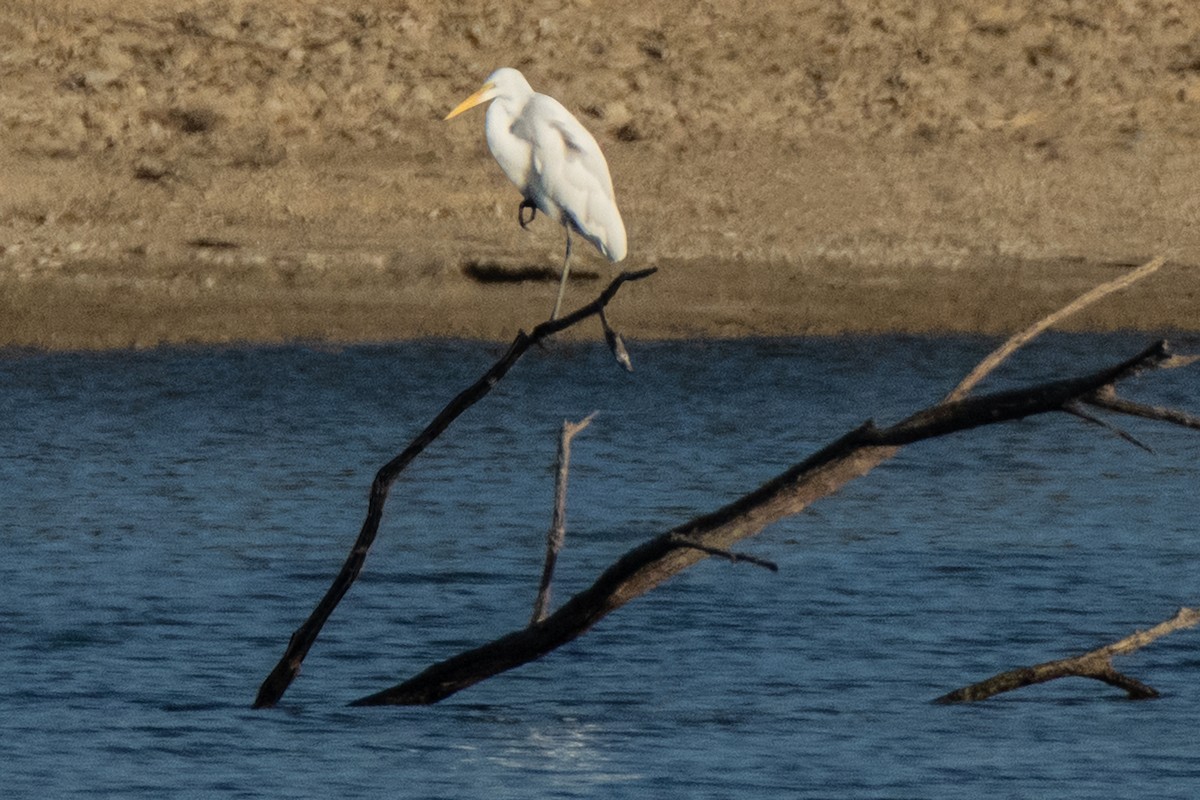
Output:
x,y
554,162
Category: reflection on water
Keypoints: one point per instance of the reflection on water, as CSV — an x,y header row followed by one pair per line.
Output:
x,y
168,517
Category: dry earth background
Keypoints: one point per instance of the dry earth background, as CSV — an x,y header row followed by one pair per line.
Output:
x,y
276,170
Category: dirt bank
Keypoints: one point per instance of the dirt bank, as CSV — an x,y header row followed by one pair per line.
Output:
x,y
276,170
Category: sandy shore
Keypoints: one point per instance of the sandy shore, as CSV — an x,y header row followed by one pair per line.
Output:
x,y
270,171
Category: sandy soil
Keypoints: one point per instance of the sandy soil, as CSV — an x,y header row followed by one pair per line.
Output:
x,y
274,170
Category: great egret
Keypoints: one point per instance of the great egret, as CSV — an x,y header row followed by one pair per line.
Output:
x,y
553,160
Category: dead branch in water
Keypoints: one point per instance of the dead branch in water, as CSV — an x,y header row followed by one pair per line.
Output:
x,y
1096,664
648,565
821,474
285,671
558,523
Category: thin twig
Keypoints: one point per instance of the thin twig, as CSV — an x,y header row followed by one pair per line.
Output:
x,y
728,555
1018,340
1075,409
558,524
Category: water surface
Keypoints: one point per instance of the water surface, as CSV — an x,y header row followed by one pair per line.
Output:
x,y
168,517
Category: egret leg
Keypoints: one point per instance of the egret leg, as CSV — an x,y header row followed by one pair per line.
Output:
x,y
526,204
562,285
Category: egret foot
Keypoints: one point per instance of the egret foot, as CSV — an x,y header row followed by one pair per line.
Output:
x,y
526,204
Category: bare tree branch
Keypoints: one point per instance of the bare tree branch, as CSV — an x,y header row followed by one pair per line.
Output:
x,y
558,523
1096,664
285,671
1106,397
1022,338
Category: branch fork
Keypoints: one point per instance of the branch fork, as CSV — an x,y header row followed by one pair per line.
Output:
x,y
288,666
1095,664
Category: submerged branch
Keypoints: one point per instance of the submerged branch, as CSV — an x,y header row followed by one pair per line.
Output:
x,y
1096,664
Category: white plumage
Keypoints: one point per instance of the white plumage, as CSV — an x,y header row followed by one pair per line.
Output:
x,y
553,160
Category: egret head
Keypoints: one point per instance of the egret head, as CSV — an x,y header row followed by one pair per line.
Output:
x,y
503,83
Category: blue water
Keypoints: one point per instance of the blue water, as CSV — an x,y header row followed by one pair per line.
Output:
x,y
168,517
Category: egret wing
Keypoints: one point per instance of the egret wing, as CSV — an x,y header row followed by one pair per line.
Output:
x,y
569,177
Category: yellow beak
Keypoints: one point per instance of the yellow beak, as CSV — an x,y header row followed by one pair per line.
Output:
x,y
482,96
